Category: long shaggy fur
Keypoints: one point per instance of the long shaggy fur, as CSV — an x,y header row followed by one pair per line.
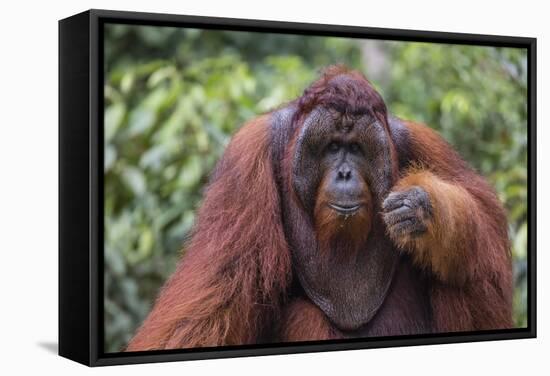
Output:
x,y
229,286
345,233
467,246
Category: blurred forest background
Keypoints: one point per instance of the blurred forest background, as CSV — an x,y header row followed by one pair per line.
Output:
x,y
174,97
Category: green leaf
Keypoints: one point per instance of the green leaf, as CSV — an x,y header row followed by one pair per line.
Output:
x,y
114,114
135,180
141,120
110,157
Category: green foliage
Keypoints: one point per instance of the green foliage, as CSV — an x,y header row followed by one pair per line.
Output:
x,y
174,97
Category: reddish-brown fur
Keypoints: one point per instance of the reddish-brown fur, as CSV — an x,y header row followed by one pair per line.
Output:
x,y
230,283
233,284
467,246
326,91
334,231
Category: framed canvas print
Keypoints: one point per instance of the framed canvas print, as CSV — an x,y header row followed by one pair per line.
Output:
x,y
236,187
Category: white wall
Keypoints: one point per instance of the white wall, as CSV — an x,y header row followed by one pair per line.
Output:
x,y
28,185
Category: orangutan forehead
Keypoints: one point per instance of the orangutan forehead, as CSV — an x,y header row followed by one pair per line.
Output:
x,y
331,119
346,119
321,126
343,109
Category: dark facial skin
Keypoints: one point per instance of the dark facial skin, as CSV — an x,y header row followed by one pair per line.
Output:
x,y
342,169
349,152
343,160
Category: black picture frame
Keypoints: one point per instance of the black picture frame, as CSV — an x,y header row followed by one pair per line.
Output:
x,y
81,185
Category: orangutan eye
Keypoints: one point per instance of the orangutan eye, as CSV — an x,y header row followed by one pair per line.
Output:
x,y
333,147
354,148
